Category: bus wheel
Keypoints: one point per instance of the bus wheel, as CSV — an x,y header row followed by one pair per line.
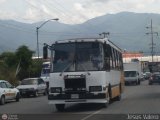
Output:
x,y
108,97
118,98
106,104
60,107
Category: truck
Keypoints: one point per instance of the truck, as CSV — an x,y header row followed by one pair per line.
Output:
x,y
45,73
132,73
154,67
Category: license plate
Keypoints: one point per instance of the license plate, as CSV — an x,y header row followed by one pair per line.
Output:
x,y
74,96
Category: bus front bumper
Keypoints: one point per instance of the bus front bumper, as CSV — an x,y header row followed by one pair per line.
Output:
x,y
77,98
77,101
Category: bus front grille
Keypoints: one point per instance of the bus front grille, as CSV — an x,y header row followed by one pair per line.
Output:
x,y
75,85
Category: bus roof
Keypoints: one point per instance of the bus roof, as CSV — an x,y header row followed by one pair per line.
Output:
x,y
101,40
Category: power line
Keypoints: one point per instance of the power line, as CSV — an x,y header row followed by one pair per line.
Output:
x,y
16,27
63,10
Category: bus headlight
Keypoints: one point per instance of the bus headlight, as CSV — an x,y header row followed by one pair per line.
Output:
x,y
55,89
95,88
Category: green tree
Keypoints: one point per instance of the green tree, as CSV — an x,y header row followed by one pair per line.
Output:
x,y
35,68
15,66
8,64
9,59
24,55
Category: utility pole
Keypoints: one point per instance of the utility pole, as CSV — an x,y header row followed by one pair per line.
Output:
x,y
152,42
105,34
37,29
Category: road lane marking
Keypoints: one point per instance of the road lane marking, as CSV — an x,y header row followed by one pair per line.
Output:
x,y
85,118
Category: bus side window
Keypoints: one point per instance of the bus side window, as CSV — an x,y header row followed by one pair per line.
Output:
x,y
107,54
113,58
121,62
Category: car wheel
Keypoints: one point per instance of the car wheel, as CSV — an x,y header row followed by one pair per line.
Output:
x,y
2,100
60,107
45,92
36,94
17,97
139,82
150,83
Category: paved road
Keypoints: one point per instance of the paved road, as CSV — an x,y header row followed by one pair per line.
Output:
x,y
142,99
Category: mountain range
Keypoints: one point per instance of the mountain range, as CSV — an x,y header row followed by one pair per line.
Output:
x,y
127,30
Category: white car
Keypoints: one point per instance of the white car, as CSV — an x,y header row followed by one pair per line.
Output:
x,y
8,92
32,86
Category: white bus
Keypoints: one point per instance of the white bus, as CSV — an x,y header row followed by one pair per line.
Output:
x,y
85,71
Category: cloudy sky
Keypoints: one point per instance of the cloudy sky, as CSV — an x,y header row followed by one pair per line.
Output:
x,y
71,11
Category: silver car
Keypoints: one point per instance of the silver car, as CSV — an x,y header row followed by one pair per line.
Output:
x,y
32,86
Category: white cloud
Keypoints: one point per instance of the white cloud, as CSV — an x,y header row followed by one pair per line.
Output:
x,y
93,8
32,14
78,6
2,1
8,15
72,11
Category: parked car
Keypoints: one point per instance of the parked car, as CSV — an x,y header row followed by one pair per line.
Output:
x,y
147,75
32,86
132,77
142,78
8,92
155,78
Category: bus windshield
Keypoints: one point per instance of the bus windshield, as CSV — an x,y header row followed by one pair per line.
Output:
x,y
130,73
70,57
45,72
45,69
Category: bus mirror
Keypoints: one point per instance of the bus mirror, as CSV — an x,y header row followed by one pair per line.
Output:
x,y
45,52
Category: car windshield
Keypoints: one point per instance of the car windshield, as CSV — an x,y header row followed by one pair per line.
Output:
x,y
156,76
45,65
130,73
29,82
45,72
78,57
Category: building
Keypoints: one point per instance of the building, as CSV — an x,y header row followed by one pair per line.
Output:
x,y
129,56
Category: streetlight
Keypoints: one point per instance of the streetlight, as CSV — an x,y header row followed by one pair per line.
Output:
x,y
37,28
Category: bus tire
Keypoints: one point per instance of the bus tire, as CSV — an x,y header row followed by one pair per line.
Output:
x,y
60,107
108,97
106,104
118,98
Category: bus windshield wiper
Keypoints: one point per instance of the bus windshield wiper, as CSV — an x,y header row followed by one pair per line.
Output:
x,y
65,68
85,68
